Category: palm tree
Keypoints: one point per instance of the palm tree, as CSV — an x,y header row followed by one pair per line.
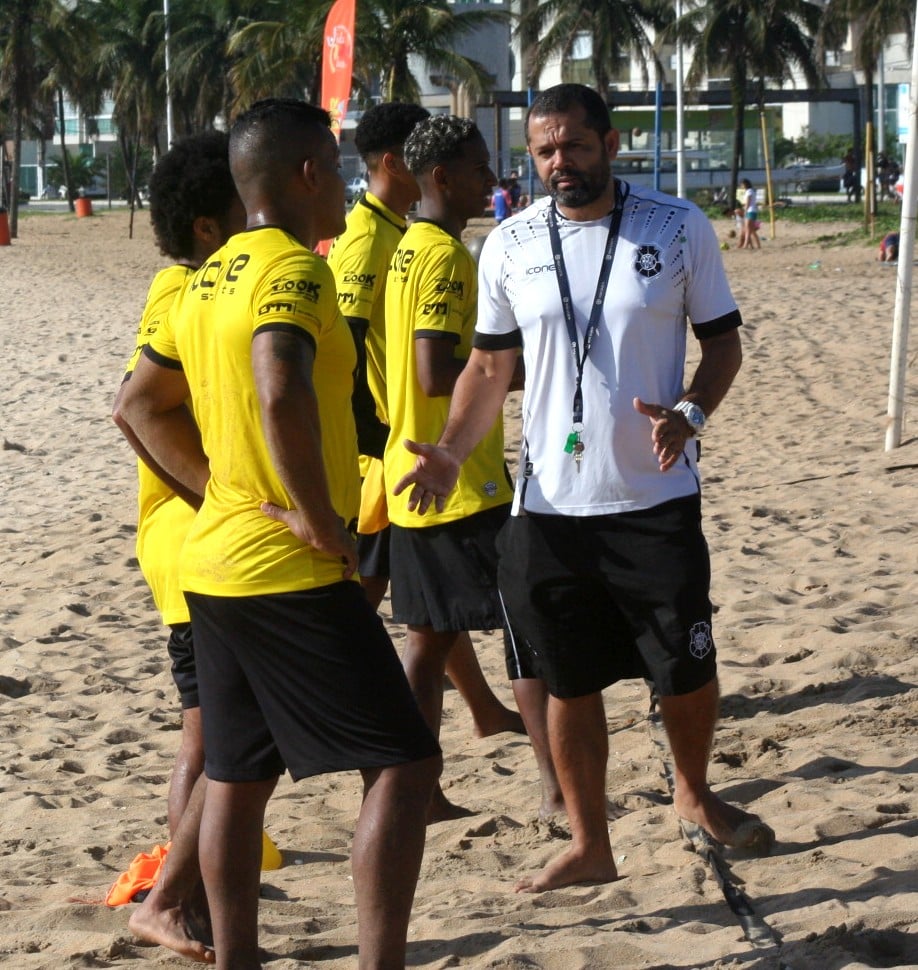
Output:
x,y
393,35
130,65
751,42
871,25
18,83
617,29
66,43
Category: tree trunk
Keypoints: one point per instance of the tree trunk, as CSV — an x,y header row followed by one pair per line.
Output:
x,y
65,158
14,175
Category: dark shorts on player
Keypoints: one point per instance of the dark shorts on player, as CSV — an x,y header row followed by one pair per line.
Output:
x,y
599,599
308,681
373,553
445,576
184,671
518,657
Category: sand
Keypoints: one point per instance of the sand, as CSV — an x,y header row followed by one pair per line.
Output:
x,y
816,591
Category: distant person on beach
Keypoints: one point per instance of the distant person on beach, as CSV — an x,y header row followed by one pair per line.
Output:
x,y
444,580
851,180
295,669
604,567
360,259
194,209
889,248
750,233
501,201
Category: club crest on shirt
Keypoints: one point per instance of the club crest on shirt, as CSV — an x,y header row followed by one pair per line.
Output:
x,y
648,261
490,488
700,641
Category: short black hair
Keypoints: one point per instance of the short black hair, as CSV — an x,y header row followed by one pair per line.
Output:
x,y
438,140
274,134
562,97
192,179
385,127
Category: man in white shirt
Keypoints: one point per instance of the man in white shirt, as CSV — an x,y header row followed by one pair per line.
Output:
x,y
607,572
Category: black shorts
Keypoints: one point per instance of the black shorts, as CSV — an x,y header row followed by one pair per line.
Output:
x,y
518,658
308,681
373,553
184,671
599,599
445,576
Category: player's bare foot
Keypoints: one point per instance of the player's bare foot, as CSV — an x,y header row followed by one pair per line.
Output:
x,y
497,722
727,824
441,809
568,869
172,928
551,806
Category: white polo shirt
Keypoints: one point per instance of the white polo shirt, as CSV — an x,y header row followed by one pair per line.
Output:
x,y
667,267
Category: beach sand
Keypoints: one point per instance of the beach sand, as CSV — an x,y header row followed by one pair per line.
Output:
x,y
816,592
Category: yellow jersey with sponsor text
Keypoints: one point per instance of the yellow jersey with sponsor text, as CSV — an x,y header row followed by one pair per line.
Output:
x,y
261,280
360,259
163,519
431,293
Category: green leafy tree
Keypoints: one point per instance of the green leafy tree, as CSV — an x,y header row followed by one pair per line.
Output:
x,y
81,169
752,43
617,29
394,35
871,23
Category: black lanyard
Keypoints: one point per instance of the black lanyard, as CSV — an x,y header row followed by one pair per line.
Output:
x,y
565,288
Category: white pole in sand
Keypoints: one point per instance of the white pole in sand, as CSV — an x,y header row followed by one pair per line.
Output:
x,y
898,363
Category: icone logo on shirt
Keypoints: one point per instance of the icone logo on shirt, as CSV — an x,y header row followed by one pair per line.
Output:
x,y
534,270
402,259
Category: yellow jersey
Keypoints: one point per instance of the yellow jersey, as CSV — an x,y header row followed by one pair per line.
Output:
x,y
163,519
431,292
261,280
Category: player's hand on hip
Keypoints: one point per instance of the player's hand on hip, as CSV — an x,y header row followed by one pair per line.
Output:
x,y
433,477
331,537
669,433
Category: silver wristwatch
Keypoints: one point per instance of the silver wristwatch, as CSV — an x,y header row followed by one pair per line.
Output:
x,y
693,414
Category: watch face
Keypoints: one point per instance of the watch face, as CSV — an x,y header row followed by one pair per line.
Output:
x,y
696,416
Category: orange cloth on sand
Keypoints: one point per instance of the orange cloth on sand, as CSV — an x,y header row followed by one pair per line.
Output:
x,y
141,875
145,869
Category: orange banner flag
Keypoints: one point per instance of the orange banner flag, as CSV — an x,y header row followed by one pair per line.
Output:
x,y
338,61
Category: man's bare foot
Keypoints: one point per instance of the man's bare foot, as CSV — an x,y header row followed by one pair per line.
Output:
x,y
441,809
551,806
569,868
498,721
727,824
169,926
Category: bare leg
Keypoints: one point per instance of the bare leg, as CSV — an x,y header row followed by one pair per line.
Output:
x,y
488,714
532,699
424,660
189,764
375,587
230,853
689,720
174,914
386,858
580,750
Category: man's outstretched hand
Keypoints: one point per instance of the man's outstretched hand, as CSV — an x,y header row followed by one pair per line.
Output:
x,y
433,477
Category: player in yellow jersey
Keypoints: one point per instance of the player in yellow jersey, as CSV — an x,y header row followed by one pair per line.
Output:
x,y
194,209
443,568
296,671
360,258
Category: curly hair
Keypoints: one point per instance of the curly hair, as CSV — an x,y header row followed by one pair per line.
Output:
x,y
192,179
384,127
438,140
562,97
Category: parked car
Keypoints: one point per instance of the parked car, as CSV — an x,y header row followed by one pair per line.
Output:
x,y
354,189
812,177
